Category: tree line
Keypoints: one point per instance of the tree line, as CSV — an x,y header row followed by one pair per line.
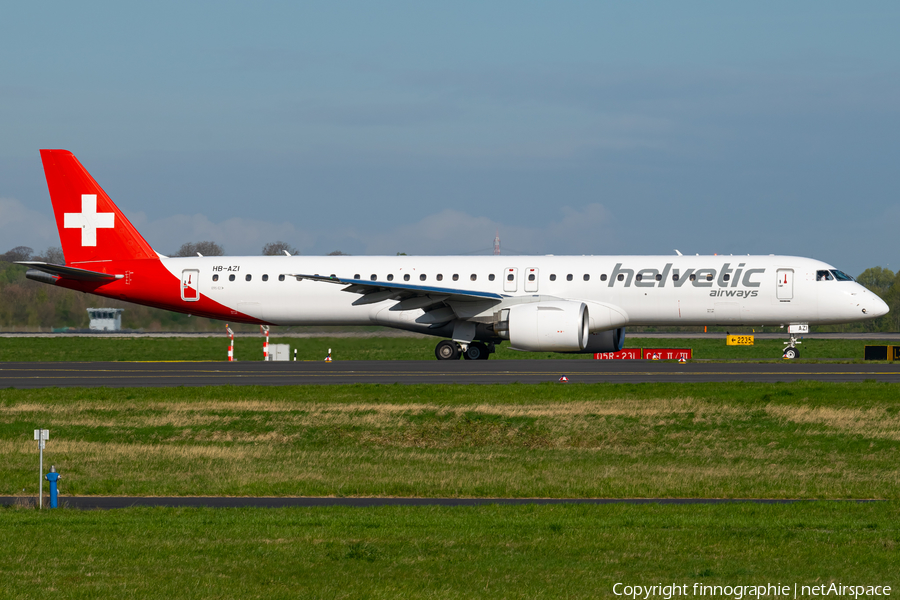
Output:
x,y
29,305
213,249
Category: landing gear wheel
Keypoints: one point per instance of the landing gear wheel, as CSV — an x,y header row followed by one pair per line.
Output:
x,y
476,351
791,351
447,350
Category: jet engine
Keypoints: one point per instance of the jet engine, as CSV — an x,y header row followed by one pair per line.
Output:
x,y
562,326
610,340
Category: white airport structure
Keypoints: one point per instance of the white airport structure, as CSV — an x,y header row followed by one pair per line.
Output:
x,y
105,319
279,352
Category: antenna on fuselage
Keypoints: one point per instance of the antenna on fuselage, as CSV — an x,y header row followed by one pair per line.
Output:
x,y
678,252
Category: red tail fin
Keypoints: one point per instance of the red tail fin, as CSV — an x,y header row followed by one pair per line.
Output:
x,y
91,227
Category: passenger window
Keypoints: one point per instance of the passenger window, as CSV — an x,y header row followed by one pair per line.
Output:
x,y
638,277
553,277
281,277
510,277
216,277
373,277
473,277
569,277
422,277
491,277
709,276
725,277
406,277
390,276
455,277
248,277
265,277
693,277
587,277
603,277
621,277
231,278
675,277
439,277
354,277
658,277
531,277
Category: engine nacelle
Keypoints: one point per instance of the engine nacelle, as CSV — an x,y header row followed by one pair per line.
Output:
x,y
611,340
547,326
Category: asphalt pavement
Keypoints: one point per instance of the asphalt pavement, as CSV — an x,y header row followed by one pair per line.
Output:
x,y
169,374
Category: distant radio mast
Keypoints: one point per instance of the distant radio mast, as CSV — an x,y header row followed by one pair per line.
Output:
x,y
497,244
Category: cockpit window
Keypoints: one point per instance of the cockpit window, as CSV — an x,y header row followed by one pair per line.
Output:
x,y
841,276
823,276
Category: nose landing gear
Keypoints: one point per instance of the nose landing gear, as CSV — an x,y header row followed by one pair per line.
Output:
x,y
791,351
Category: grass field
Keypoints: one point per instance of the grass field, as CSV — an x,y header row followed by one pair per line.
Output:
x,y
797,440
738,440
376,348
564,551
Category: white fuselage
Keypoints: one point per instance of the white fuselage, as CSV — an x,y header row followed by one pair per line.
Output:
x,y
536,303
636,290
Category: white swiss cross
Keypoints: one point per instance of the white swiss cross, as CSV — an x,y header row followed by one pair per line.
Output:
x,y
89,220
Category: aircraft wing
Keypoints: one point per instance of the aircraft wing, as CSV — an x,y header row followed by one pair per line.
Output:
x,y
69,272
436,301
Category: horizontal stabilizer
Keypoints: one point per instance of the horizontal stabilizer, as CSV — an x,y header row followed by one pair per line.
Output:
x,y
65,272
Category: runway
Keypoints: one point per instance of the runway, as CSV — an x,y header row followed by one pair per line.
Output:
x,y
162,374
113,502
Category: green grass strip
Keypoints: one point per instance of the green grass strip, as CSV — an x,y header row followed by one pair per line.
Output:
x,y
734,440
491,552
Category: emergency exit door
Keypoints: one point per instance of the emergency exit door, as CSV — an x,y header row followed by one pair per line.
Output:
x,y
784,289
190,289
510,279
531,280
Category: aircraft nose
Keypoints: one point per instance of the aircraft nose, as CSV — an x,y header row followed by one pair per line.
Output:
x,y
877,307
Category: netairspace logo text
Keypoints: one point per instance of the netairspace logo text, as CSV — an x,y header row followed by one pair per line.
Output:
x,y
738,592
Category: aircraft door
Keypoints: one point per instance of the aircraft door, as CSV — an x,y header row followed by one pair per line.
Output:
x,y
531,280
784,289
190,288
510,279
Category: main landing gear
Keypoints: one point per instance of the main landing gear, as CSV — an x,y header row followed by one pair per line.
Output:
x,y
450,350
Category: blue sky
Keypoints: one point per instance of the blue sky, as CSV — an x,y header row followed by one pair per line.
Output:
x,y
570,127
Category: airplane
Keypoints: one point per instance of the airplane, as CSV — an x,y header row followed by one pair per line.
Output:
x,y
568,304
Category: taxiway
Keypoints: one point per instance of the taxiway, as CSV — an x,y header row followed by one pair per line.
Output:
x,y
163,374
